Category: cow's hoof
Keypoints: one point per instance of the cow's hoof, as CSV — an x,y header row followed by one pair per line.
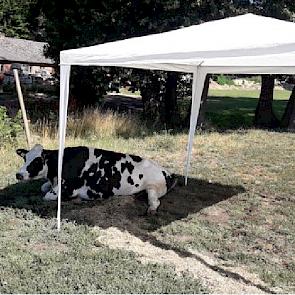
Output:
x,y
46,187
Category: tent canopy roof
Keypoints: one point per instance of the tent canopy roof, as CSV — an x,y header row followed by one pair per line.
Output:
x,y
242,43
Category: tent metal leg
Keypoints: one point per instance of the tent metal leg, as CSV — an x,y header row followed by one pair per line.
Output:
x,y
198,85
63,108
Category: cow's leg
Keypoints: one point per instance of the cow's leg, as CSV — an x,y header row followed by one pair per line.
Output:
x,y
46,187
52,194
153,200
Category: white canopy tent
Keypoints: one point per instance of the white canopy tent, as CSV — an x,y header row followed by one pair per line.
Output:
x,y
246,44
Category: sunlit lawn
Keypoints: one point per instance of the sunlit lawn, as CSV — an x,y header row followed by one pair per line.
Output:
x,y
236,108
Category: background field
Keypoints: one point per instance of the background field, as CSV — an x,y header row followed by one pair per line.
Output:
x,y
230,230
236,108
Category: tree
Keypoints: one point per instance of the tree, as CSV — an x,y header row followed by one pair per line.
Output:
x,y
288,119
14,18
86,23
264,116
171,111
202,112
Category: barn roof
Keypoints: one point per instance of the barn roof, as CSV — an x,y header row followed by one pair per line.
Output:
x,y
23,51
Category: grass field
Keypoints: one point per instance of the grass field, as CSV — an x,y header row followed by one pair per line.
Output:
x,y
236,108
230,229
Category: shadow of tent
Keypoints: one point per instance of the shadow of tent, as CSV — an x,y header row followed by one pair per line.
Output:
x,y
27,195
126,213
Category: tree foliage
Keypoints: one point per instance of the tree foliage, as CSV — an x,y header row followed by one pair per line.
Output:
x,y
89,22
14,18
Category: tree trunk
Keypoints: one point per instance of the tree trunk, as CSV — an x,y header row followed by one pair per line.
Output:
x,y
203,107
288,119
264,116
202,113
172,117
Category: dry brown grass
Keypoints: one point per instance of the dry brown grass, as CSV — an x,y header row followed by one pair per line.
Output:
x,y
93,123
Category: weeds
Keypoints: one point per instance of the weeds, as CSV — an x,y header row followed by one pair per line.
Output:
x,y
9,127
94,123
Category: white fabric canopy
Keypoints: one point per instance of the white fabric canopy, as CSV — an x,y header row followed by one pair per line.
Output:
x,y
246,44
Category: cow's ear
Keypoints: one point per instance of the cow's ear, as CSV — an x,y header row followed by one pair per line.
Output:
x,y
21,152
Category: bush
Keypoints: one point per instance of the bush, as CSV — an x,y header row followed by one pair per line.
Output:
x,y
9,127
255,79
222,80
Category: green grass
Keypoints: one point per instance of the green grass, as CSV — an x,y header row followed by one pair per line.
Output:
x,y
35,259
236,108
238,208
126,92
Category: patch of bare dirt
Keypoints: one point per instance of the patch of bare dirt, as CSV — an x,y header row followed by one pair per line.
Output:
x,y
216,215
217,279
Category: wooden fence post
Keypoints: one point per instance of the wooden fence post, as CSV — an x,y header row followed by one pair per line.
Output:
x,y
22,106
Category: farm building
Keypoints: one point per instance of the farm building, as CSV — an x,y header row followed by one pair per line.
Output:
x,y
25,55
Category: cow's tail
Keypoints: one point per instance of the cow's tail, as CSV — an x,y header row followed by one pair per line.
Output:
x,y
171,181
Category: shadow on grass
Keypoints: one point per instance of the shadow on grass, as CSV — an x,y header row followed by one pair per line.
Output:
x,y
237,112
127,213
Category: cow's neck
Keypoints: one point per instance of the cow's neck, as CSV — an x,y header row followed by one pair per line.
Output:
x,y
51,160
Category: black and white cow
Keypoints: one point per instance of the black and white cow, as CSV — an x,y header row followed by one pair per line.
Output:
x,y
90,173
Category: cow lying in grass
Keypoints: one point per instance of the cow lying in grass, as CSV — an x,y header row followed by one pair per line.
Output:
x,y
91,174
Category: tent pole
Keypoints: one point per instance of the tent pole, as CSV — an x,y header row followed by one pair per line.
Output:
x,y
63,108
198,85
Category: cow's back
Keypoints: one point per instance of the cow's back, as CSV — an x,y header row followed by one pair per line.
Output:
x,y
100,173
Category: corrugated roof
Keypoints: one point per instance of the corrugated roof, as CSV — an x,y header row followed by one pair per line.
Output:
x,y
23,51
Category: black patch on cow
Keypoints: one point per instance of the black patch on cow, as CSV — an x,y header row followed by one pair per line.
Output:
x,y
108,156
93,170
35,167
140,176
74,161
106,183
66,193
115,180
137,185
112,176
72,184
97,152
130,180
93,196
136,158
127,165
91,180
51,159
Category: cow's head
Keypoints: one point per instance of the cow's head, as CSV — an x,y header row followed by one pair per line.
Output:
x,y
35,166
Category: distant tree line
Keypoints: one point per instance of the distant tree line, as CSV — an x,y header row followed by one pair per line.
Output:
x,y
78,23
